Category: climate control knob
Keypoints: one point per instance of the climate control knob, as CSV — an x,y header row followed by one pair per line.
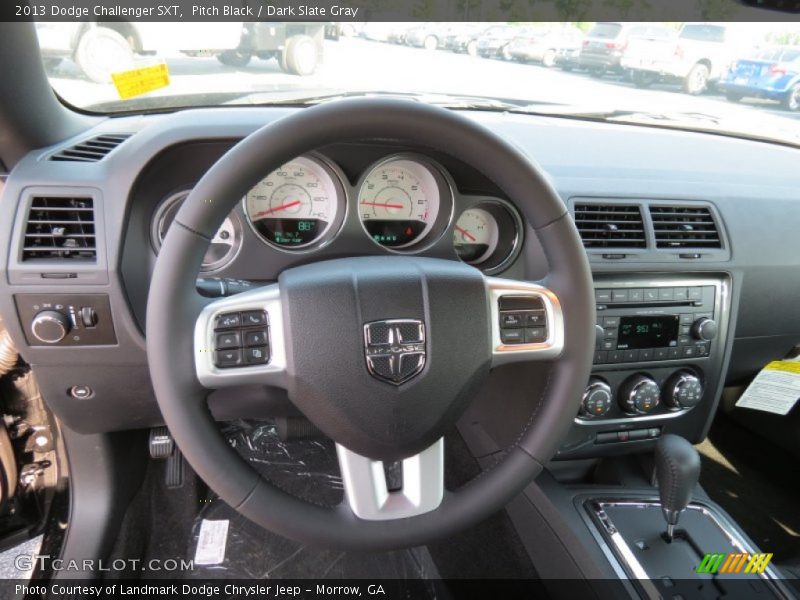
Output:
x,y
704,329
50,326
596,399
683,390
639,395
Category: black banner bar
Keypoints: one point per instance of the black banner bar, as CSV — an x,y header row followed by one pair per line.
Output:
x,y
394,11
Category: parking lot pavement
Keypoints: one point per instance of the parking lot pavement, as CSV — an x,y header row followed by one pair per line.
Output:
x,y
353,64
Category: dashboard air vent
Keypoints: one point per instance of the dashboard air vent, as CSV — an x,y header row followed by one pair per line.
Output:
x,y
610,225
91,150
684,227
60,228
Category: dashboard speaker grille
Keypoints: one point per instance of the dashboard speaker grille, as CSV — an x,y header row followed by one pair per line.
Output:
x,y
684,227
610,225
91,150
60,228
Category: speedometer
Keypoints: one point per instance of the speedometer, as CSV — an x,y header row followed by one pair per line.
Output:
x,y
398,202
295,206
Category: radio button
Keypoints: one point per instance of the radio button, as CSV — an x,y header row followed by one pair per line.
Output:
x,y
687,319
600,357
646,354
619,295
681,293
685,329
602,296
650,294
695,293
607,345
689,352
610,334
611,322
635,295
702,349
615,356
666,294
631,355
674,353
661,353
683,340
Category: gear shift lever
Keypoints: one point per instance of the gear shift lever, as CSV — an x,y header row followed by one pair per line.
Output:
x,y
677,471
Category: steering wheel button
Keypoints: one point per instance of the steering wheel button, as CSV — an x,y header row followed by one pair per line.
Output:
x,y
511,336
535,335
257,337
229,339
254,317
258,355
228,358
535,318
227,321
509,319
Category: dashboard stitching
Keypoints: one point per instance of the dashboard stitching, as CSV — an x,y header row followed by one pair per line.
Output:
x,y
535,411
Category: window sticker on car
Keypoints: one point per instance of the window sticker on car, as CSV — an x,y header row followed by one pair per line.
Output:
x,y
136,82
775,389
211,542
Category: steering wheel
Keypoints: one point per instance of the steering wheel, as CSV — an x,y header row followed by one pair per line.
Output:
x,y
381,353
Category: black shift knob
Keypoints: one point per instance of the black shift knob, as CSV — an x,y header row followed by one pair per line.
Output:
x,y
677,471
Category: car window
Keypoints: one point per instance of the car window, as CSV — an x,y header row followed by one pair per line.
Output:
x,y
703,33
605,30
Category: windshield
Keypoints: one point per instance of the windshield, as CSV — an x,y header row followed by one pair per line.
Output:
x,y
664,74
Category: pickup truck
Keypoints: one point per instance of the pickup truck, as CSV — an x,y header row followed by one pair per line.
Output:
x,y
696,57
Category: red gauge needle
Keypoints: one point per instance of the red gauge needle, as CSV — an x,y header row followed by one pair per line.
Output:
x,y
277,208
382,204
466,234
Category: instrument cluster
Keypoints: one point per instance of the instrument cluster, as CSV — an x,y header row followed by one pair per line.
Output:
x,y
404,203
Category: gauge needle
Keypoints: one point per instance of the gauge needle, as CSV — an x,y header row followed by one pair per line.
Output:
x,y
382,204
277,208
466,234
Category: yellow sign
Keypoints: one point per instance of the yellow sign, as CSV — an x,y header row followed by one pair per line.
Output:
x,y
140,81
789,366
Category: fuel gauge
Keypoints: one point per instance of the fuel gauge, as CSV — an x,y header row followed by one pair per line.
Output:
x,y
475,235
487,235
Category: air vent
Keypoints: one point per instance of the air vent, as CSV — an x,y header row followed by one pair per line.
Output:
x,y
91,150
681,227
60,228
610,225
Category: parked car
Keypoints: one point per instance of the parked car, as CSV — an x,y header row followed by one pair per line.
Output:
x,y
773,74
464,38
377,32
697,57
100,48
493,43
428,36
397,34
543,45
606,43
568,59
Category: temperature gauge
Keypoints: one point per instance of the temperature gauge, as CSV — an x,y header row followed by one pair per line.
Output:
x,y
475,235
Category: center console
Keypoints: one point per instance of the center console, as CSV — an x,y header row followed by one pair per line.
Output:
x,y
659,349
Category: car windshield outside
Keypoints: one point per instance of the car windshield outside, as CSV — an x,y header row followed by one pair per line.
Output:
x,y
679,75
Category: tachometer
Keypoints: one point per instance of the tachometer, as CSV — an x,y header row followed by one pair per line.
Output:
x,y
398,202
295,206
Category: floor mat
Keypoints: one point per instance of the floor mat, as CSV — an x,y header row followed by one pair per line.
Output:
x,y
756,482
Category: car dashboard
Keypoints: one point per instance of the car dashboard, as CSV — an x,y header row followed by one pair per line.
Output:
x,y
691,238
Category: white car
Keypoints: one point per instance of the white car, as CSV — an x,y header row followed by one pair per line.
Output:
x,y
99,49
698,55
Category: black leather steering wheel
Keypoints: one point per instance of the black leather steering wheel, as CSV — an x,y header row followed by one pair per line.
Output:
x,y
320,341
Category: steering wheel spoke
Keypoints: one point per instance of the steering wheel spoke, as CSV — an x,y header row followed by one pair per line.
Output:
x,y
416,485
527,322
240,340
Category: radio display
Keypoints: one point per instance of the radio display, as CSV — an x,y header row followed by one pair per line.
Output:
x,y
647,332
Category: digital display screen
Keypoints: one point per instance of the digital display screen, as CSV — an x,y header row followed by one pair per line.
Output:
x,y
647,332
290,232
